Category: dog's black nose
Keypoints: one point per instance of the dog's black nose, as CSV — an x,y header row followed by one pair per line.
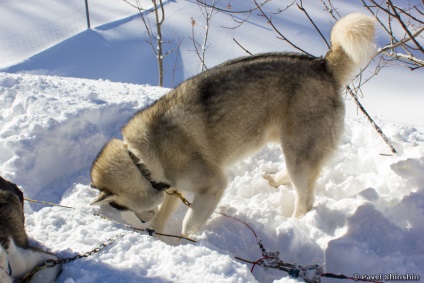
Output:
x,y
160,186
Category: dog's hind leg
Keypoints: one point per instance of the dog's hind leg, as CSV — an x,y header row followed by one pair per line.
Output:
x,y
305,157
304,177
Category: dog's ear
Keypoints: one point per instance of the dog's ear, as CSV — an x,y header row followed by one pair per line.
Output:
x,y
104,197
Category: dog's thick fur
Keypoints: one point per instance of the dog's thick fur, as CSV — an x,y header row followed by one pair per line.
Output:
x,y
15,252
188,137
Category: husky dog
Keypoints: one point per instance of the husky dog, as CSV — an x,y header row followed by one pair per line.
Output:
x,y
188,137
17,258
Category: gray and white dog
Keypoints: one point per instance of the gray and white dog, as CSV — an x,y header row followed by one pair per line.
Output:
x,y
188,137
17,257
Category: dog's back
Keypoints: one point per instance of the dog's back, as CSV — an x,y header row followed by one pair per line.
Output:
x,y
252,98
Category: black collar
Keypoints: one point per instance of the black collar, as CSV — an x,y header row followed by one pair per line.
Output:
x,y
146,173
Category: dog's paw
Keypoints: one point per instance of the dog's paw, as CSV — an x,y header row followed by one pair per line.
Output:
x,y
189,232
301,211
276,180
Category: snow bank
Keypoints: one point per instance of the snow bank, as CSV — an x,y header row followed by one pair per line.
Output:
x,y
52,128
368,216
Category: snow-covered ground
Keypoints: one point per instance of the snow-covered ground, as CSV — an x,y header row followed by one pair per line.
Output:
x,y
368,217
369,211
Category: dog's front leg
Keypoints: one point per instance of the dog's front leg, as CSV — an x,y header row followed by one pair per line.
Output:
x,y
201,209
166,209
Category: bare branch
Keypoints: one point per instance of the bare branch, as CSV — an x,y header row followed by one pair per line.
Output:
x,y
281,36
331,9
195,43
279,11
397,16
399,43
408,14
247,51
175,68
155,40
239,22
230,11
376,127
416,61
208,12
312,22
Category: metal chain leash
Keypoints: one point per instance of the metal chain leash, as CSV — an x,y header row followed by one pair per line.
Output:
x,y
180,196
48,203
52,263
309,273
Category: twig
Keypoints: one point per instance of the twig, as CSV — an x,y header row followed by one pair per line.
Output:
x,y
279,11
247,51
414,60
312,22
244,260
47,203
177,57
230,11
405,28
394,13
374,124
399,43
238,22
278,32
331,9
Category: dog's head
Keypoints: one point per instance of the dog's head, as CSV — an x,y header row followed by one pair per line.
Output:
x,y
8,186
121,183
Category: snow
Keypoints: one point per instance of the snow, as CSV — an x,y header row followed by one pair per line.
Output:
x,y
368,216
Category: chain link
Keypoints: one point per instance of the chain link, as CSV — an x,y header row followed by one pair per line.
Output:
x,y
180,196
52,263
310,273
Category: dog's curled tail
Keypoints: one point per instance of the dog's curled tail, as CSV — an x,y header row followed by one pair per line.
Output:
x,y
352,46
